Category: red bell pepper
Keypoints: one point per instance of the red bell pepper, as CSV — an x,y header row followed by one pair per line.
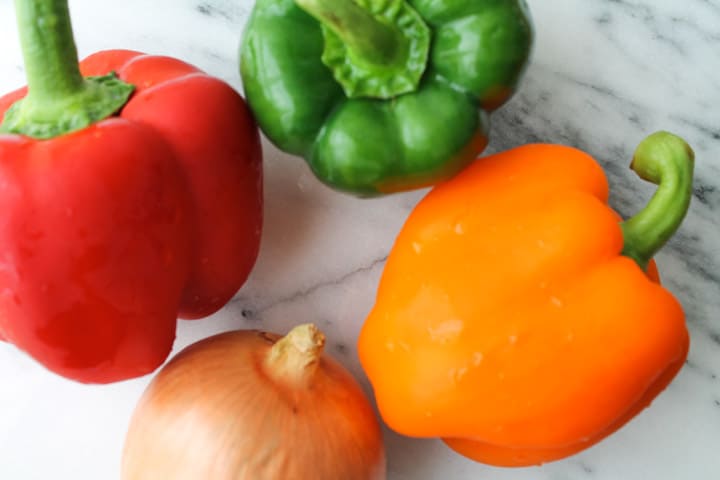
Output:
x,y
129,198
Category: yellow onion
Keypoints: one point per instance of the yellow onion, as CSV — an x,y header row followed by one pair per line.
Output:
x,y
252,405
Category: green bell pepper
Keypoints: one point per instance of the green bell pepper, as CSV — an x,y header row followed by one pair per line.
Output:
x,y
381,96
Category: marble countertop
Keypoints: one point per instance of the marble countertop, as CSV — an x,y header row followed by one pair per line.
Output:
x,y
604,73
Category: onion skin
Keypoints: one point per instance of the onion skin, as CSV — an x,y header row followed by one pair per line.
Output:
x,y
232,407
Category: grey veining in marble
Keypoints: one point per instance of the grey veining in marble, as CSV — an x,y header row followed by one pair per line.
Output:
x,y
604,74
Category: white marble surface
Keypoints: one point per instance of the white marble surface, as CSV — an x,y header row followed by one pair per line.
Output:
x,y
604,73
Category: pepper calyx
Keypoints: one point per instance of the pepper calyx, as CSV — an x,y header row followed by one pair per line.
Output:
x,y
101,97
375,48
59,100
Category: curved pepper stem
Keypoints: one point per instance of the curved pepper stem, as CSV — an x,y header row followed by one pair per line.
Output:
x,y
667,161
375,48
59,99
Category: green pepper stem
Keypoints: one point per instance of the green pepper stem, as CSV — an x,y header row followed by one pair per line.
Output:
x,y
59,99
667,161
374,48
368,39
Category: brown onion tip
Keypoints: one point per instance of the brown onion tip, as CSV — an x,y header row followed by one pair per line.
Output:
x,y
295,356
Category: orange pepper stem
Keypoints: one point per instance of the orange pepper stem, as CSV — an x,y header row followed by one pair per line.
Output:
x,y
667,161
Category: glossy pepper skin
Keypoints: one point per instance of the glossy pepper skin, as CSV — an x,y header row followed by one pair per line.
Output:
x,y
382,130
112,231
508,320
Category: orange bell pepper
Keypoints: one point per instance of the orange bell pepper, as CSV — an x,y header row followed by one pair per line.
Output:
x,y
517,317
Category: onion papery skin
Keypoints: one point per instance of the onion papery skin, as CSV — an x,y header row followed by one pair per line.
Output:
x,y
219,411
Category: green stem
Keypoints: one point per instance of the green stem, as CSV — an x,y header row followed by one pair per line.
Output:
x,y
49,53
374,48
667,161
368,39
59,99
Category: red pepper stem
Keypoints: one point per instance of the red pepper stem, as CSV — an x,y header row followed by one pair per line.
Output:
x,y
48,47
667,161
59,99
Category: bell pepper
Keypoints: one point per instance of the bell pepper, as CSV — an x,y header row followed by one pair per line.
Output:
x,y
381,96
131,194
517,317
